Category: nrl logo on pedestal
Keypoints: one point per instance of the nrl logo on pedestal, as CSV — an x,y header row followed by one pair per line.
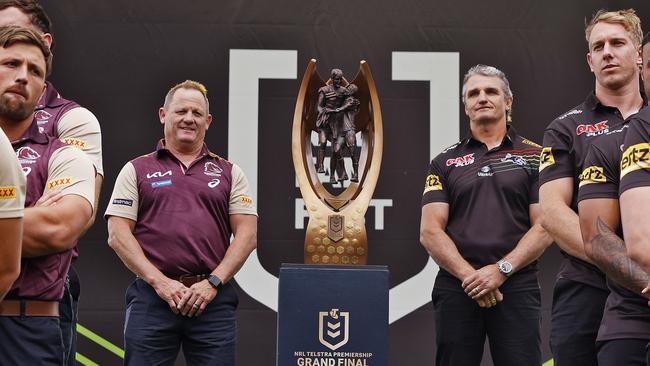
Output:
x,y
336,111
333,328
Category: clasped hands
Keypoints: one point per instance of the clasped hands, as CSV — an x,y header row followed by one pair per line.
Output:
x,y
187,301
483,285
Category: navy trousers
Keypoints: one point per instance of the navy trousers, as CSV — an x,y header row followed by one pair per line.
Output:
x,y
512,328
31,340
153,334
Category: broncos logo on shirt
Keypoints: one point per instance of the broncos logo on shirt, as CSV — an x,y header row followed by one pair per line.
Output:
x,y
212,169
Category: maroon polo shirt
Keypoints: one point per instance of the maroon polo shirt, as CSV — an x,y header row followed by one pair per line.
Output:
x,y
626,314
566,141
183,213
42,277
489,194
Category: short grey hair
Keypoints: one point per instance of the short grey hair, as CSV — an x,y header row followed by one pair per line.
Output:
x,y
486,70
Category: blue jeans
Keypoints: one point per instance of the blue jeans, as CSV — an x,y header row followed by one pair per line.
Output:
x,y
153,334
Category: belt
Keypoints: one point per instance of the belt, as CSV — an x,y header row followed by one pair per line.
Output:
x,y
29,308
189,280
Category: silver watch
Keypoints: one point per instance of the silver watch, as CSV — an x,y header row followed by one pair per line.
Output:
x,y
505,267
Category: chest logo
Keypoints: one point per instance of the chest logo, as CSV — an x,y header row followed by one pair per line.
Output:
x,y
461,160
592,174
592,130
634,158
515,159
42,117
213,183
212,169
159,174
485,171
27,155
546,158
161,183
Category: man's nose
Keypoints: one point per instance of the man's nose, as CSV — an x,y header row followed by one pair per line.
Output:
x,y
21,74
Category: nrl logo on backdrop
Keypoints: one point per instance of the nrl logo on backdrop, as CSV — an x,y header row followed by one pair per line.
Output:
x,y
333,328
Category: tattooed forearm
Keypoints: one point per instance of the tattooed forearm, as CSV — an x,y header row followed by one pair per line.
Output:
x,y
610,255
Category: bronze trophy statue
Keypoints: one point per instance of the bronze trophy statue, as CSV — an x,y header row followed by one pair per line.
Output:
x,y
336,110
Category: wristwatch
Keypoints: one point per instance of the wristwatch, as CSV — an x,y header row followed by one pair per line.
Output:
x,y
505,267
215,282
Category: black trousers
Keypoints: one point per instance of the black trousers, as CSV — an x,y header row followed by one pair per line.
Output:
x,y
575,319
153,334
617,352
68,310
512,328
30,340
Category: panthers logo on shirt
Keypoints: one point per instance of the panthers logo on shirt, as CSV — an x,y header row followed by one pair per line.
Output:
x,y
432,183
546,158
592,174
635,157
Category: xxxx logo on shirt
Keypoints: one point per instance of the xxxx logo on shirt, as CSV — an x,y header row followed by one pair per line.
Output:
x,y
635,157
461,160
78,143
59,182
8,192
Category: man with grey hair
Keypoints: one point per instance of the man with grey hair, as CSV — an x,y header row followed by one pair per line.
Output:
x,y
581,290
487,283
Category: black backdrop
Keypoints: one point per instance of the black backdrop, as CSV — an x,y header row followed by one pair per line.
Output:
x,y
119,57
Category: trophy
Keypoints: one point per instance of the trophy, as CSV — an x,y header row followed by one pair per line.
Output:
x,y
336,111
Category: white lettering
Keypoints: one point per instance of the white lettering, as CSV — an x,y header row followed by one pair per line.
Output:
x,y
159,174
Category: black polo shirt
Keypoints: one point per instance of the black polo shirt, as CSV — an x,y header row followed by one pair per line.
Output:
x,y
566,141
635,162
489,194
626,314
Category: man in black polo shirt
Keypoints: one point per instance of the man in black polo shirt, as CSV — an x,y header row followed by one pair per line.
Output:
x,y
625,326
635,178
580,291
480,224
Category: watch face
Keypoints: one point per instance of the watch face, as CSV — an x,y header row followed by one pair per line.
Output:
x,y
505,267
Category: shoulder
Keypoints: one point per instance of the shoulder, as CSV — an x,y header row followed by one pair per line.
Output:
x,y
523,142
567,120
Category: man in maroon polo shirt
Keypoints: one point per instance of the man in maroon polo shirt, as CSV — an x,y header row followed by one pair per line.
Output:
x,y
480,223
29,322
170,219
73,125
581,291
